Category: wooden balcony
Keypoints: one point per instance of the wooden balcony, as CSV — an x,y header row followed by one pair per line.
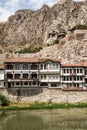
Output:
x,y
25,79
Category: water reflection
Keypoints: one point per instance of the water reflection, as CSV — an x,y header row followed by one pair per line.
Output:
x,y
57,119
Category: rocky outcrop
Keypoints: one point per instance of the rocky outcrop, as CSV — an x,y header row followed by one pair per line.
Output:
x,y
29,27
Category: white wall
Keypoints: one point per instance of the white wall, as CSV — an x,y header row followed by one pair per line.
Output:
x,y
1,74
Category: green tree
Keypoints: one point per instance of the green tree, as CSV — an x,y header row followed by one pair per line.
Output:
x,y
4,101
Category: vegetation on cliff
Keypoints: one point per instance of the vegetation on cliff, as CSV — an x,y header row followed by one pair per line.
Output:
x,y
30,49
80,26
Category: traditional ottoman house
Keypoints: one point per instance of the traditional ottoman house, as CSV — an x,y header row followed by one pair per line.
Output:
x,y
73,76
1,76
32,72
21,72
35,72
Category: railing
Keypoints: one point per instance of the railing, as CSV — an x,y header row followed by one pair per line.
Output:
x,y
21,79
49,80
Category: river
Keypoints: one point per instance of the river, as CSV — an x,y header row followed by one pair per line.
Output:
x,y
55,119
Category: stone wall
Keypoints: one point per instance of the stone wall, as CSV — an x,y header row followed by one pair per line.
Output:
x,y
80,34
46,95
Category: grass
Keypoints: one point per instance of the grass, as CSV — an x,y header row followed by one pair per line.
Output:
x,y
37,105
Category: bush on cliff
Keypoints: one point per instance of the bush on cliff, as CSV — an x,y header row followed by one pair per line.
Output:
x,y
79,27
30,50
4,101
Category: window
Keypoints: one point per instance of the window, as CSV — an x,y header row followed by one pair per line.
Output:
x,y
25,76
17,66
86,72
25,83
64,78
17,76
57,66
41,66
53,76
67,70
80,70
77,70
78,78
51,66
64,70
45,66
74,70
25,66
81,78
54,66
44,76
17,83
77,84
41,76
74,78
34,67
9,76
34,83
70,70
9,66
12,84
70,78
67,78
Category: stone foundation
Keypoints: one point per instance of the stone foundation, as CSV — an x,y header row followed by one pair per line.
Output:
x,y
45,95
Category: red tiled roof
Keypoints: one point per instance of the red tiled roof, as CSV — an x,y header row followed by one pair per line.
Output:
x,y
29,60
22,59
73,89
71,65
75,65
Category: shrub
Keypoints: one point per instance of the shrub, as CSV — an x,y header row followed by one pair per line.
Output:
x,y
30,50
80,26
56,42
0,51
4,101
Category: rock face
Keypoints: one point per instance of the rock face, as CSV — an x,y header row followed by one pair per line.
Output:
x,y
34,27
28,28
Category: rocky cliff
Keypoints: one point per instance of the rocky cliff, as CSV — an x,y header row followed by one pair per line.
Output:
x,y
42,27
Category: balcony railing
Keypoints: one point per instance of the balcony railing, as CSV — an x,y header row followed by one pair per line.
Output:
x,y
21,79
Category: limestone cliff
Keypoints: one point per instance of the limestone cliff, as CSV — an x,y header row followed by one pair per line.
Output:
x,y
30,28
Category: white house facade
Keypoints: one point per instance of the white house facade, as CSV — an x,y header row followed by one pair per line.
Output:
x,y
35,72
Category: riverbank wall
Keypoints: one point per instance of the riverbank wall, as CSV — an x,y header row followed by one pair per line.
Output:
x,y
45,95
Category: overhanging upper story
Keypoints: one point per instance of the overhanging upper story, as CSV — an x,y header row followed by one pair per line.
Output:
x,y
73,69
32,68
32,64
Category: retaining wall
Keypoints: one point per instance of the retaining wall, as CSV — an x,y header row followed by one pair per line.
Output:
x,y
45,95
